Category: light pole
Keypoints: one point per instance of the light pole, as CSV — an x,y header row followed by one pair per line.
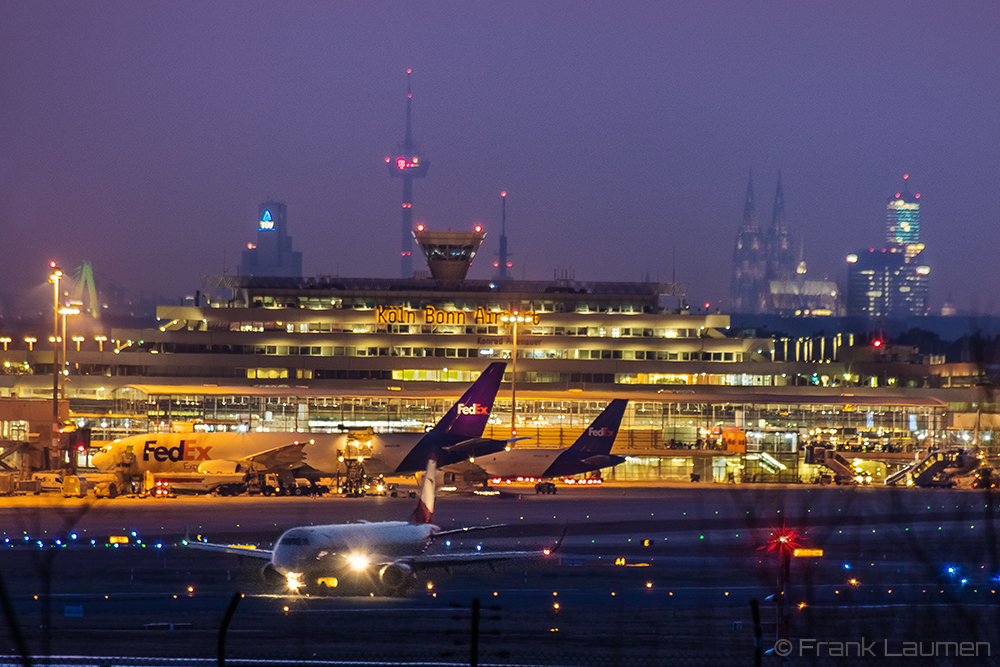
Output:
x,y
54,277
514,318
64,311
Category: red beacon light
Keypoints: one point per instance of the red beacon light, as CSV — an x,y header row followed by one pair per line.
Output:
x,y
420,228
510,264
503,193
496,265
478,228
877,343
388,159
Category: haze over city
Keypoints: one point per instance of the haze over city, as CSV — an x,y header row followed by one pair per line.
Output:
x,y
143,136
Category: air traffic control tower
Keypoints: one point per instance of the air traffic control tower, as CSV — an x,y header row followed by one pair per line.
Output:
x,y
407,163
449,254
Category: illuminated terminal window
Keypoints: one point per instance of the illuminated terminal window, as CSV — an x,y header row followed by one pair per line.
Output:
x,y
435,376
267,373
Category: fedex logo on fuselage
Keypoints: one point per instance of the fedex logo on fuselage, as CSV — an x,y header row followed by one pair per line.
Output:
x,y
474,409
603,432
182,452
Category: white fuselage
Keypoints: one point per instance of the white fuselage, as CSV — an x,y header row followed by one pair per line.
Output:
x,y
518,462
335,548
187,452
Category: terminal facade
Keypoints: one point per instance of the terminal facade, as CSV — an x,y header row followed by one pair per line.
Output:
x,y
329,353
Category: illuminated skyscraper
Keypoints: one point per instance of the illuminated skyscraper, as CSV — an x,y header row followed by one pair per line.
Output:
x,y
272,254
407,163
892,281
902,217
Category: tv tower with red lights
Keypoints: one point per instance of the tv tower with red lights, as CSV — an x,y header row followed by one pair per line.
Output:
x,y
407,163
503,262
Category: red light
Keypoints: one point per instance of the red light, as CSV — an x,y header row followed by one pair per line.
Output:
x,y
877,343
917,195
510,264
409,71
897,195
905,176
503,193
409,96
401,164
420,228
52,263
80,448
871,250
496,265
388,159
478,228
402,254
708,303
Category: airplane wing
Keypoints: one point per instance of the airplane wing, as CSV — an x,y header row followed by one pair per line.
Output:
x,y
448,560
285,456
240,549
468,529
476,446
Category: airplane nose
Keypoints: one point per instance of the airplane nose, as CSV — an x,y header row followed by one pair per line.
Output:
x,y
101,460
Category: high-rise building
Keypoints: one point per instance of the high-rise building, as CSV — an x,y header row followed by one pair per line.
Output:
x,y
272,254
749,281
407,163
887,282
902,217
892,281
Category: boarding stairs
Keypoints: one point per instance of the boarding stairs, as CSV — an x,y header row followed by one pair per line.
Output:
x,y
936,468
844,472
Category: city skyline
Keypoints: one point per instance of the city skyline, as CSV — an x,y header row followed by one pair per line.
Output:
x,y
144,137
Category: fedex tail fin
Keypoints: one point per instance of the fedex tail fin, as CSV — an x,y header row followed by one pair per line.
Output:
x,y
467,418
592,450
600,435
424,511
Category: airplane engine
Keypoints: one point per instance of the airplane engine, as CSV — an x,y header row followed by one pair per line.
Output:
x,y
271,576
220,467
396,578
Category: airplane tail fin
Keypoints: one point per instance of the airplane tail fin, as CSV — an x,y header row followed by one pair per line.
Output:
x,y
592,450
424,511
467,418
599,437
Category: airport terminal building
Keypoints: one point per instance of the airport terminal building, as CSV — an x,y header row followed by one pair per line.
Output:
x,y
327,353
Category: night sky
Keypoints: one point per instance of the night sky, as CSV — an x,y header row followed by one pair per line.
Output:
x,y
142,135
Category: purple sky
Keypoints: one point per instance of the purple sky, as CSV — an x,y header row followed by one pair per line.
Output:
x,y
143,135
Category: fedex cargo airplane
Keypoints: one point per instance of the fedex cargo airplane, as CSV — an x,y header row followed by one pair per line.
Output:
x,y
456,437
590,452
388,554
